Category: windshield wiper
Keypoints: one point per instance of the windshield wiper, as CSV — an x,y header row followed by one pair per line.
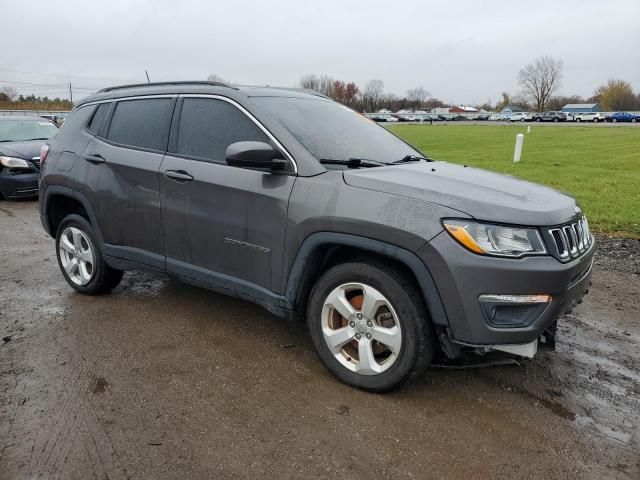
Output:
x,y
412,158
352,162
32,139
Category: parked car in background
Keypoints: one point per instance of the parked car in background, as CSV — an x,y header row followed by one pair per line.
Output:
x,y
594,117
550,117
520,117
297,203
623,117
383,117
20,142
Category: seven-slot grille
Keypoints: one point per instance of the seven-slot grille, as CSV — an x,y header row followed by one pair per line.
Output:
x,y
572,239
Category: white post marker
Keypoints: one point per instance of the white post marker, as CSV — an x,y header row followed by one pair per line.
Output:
x,y
529,129
518,152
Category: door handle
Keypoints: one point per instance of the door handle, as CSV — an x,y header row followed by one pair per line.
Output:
x,y
95,158
178,175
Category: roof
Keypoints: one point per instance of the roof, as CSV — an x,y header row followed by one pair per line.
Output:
x,y
580,105
197,87
465,108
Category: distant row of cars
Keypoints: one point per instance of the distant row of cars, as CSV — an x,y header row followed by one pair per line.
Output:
x,y
551,116
594,117
425,117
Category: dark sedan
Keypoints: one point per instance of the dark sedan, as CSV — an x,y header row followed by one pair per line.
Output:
x,y
20,142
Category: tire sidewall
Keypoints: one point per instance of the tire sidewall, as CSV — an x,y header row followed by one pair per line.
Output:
x,y
411,316
98,268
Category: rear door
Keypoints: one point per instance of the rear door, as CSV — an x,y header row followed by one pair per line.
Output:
x,y
127,156
221,224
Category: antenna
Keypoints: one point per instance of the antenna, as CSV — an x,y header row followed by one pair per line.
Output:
x,y
147,74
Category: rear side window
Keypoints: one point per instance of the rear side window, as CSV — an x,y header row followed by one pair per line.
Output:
x,y
142,123
208,126
98,117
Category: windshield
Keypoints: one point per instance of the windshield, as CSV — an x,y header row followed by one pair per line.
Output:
x,y
21,130
332,131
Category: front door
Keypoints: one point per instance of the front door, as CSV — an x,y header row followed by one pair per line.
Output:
x,y
223,225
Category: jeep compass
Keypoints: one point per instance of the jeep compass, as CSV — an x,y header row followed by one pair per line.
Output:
x,y
295,202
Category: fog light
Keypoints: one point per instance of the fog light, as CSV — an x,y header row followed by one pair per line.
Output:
x,y
512,311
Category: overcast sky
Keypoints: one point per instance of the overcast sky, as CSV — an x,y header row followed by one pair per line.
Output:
x,y
460,51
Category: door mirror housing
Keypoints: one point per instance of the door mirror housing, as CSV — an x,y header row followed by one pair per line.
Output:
x,y
254,155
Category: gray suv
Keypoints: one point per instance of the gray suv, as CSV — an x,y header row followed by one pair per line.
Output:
x,y
287,199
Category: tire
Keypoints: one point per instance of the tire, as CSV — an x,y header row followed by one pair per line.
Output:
x,y
522,119
556,120
595,120
633,120
404,308
74,235
614,120
538,119
578,120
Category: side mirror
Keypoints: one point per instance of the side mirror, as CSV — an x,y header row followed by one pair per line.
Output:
x,y
254,155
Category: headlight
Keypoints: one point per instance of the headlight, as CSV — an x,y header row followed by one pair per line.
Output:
x,y
12,162
487,239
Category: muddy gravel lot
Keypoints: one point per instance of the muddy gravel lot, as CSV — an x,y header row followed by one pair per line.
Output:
x,y
164,380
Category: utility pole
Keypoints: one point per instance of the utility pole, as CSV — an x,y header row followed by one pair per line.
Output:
x,y
70,93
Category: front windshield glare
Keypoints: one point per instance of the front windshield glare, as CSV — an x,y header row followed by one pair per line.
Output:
x,y
22,130
329,130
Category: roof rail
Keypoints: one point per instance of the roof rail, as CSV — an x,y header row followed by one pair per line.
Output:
x,y
161,84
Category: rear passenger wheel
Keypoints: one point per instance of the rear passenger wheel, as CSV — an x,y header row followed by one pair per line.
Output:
x,y
80,258
369,325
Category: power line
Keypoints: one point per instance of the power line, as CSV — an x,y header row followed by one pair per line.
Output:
x,y
30,85
46,74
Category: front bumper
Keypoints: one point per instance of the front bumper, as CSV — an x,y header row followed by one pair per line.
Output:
x,y
20,185
462,277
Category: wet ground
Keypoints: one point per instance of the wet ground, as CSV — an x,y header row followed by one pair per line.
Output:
x,y
164,380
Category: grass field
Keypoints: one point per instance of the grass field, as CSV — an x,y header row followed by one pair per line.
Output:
x,y
598,166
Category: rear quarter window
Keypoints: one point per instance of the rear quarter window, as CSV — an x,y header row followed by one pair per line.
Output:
x,y
98,117
142,123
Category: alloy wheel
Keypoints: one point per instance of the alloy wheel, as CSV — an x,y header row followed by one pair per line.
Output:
x,y
361,328
76,255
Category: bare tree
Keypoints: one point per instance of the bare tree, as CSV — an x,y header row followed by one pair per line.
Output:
x,y
417,96
540,79
310,82
215,78
322,84
9,92
372,94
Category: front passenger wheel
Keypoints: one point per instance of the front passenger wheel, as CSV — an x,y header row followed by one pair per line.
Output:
x,y
80,258
369,325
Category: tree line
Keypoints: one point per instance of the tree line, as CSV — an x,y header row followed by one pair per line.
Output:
x,y
539,82
10,100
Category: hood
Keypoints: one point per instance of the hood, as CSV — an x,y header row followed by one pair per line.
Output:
x,y
26,150
479,193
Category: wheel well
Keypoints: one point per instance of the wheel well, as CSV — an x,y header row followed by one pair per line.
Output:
x,y
59,206
326,256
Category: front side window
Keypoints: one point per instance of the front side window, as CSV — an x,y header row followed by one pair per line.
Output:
x,y
142,123
332,131
208,126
